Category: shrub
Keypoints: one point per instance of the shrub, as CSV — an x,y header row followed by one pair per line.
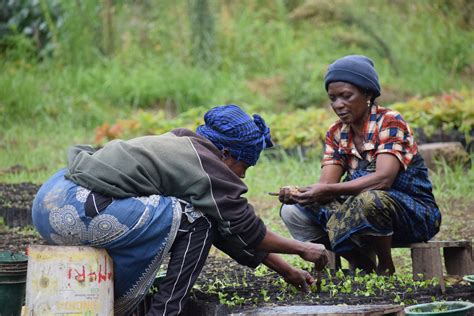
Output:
x,y
453,111
36,20
307,127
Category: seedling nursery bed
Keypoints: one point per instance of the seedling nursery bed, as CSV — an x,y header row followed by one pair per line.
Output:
x,y
231,288
225,282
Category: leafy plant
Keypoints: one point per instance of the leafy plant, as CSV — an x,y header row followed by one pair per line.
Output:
x,y
401,288
202,32
37,20
446,112
304,129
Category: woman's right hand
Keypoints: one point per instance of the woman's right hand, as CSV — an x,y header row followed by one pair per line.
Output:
x,y
286,194
300,279
315,253
316,193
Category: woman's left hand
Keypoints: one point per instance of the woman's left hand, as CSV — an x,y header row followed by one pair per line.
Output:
x,y
315,193
300,279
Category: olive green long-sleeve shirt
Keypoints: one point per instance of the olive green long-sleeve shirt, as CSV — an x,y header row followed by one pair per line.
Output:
x,y
181,164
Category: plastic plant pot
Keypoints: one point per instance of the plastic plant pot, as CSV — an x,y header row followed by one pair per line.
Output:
x,y
470,279
451,308
13,267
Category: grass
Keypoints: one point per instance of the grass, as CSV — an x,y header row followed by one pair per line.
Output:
x,y
36,152
152,63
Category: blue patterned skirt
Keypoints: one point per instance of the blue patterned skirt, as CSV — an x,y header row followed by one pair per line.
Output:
x,y
136,232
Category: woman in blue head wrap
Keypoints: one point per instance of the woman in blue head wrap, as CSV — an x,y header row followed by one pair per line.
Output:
x,y
386,197
236,134
176,193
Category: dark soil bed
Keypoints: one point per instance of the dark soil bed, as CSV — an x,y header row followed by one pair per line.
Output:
x,y
17,240
240,288
15,203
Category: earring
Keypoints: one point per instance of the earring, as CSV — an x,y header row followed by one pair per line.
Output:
x,y
369,103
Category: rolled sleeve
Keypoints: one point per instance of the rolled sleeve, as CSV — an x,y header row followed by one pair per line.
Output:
x,y
396,138
332,154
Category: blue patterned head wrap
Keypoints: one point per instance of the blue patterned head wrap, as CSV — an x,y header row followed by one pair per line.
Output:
x,y
229,127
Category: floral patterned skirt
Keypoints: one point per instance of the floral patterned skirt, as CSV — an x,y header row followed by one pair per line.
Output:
x,y
345,221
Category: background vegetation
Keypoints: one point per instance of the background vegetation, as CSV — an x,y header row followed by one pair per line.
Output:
x,y
85,71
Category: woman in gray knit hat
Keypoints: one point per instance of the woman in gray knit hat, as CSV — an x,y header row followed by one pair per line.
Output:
x,y
385,197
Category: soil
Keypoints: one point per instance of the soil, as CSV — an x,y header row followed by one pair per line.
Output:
x,y
15,209
16,240
224,281
15,203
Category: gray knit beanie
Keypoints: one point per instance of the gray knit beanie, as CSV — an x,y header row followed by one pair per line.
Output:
x,y
357,70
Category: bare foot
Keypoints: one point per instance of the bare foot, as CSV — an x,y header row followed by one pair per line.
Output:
x,y
388,269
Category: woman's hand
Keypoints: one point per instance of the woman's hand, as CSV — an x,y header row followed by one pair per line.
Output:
x,y
286,194
273,243
315,253
315,193
299,278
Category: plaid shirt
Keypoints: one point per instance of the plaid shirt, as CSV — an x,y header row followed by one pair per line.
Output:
x,y
384,132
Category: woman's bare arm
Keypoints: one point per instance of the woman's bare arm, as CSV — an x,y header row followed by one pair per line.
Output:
x,y
274,243
386,170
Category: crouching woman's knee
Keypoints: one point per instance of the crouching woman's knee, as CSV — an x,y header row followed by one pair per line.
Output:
x,y
290,214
